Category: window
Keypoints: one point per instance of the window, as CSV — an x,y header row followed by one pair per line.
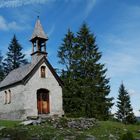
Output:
x,y
5,99
43,74
9,96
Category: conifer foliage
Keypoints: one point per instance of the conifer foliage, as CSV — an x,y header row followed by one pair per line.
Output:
x,y
1,68
125,112
86,86
14,57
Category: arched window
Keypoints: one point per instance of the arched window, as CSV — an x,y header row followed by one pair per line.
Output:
x,y
9,96
43,71
5,98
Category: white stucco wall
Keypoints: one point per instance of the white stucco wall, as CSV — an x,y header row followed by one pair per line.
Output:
x,y
49,83
24,97
16,108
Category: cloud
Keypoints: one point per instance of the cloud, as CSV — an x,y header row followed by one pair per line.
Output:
x,y
27,53
89,7
132,92
136,112
5,26
122,54
51,31
122,63
17,3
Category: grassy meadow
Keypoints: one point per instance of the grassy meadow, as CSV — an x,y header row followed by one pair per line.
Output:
x,y
105,130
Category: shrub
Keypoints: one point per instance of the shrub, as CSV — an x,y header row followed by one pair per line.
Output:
x,y
127,136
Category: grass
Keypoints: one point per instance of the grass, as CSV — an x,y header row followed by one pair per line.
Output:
x,y
106,130
8,123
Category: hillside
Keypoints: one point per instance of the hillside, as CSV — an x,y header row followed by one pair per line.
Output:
x,y
104,130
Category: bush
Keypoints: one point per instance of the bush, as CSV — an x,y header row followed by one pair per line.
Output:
x,y
127,136
15,133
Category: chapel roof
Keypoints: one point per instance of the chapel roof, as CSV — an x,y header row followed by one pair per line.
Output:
x,y
38,31
23,73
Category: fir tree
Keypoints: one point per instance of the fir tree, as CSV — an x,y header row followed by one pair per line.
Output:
x,y
125,112
92,76
86,85
1,68
14,57
65,54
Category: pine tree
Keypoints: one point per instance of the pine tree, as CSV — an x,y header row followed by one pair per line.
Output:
x,y
14,57
92,76
1,68
65,54
125,112
86,85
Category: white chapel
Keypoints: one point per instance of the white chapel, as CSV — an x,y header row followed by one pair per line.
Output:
x,y
33,89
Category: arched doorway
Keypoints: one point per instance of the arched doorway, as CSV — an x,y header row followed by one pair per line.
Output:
x,y
43,101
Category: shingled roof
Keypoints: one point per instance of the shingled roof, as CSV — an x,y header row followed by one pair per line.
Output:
x,y
38,31
23,73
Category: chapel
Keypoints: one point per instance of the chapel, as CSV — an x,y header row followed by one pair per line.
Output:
x,y
34,89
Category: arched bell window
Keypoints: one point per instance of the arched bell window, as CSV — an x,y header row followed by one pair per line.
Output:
x,y
43,71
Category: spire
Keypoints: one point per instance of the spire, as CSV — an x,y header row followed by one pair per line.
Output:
x,y
38,40
38,31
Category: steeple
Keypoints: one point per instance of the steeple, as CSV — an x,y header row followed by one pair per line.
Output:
x,y
38,40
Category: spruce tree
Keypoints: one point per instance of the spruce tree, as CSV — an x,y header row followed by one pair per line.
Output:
x,y
65,54
1,68
94,86
14,57
125,112
85,79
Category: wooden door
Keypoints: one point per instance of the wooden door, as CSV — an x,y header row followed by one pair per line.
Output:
x,y
43,102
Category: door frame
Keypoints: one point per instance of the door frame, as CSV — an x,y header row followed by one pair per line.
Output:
x,y
43,102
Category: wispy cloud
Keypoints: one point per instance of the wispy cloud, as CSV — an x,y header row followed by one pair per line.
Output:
x,y
16,3
5,26
122,63
89,7
51,31
136,112
27,53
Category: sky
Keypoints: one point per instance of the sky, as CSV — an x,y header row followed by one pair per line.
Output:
x,y
115,23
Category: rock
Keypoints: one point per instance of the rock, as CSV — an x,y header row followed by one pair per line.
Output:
x,y
69,138
37,122
5,138
28,122
90,137
81,123
112,137
2,127
137,139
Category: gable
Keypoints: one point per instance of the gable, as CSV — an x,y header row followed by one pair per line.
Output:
x,y
23,74
49,66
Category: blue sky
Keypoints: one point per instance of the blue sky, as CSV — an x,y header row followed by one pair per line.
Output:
x,y
116,24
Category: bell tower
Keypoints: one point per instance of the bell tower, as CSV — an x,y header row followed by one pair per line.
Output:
x,y
38,40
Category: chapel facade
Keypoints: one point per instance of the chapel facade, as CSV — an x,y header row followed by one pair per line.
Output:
x,y
33,89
